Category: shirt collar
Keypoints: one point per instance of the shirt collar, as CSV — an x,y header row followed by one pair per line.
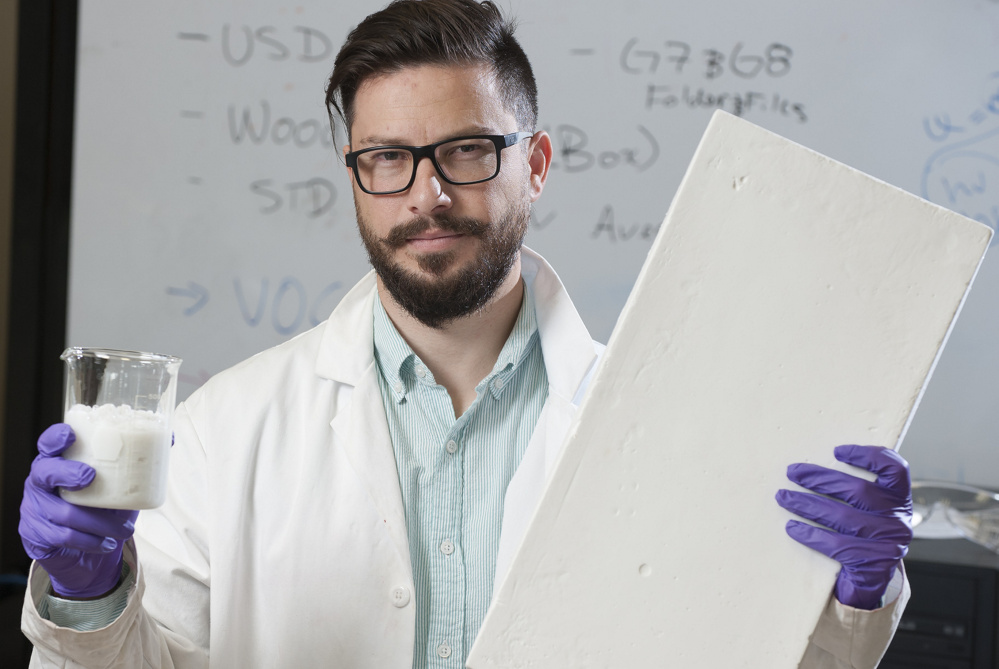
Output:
x,y
401,367
522,339
393,354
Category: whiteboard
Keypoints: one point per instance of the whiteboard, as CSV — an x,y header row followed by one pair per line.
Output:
x,y
212,217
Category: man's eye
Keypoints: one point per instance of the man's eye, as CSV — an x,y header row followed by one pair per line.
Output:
x,y
466,150
387,156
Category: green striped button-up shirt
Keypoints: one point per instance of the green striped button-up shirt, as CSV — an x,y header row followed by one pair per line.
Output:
x,y
454,474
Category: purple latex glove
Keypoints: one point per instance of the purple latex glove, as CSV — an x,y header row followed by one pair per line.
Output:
x,y
870,524
79,547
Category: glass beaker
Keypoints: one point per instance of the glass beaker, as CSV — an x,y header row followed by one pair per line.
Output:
x,y
120,406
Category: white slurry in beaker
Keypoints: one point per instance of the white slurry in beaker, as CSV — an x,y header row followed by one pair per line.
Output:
x,y
128,448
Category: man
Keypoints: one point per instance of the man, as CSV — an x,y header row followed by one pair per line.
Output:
x,y
350,497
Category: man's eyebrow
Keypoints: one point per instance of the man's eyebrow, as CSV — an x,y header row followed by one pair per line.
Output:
x,y
379,140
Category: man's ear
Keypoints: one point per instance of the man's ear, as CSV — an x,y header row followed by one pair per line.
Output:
x,y
540,159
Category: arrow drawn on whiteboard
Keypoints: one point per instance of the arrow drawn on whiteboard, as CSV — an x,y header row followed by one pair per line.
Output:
x,y
195,291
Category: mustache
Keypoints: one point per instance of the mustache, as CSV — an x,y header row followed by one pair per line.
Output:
x,y
462,225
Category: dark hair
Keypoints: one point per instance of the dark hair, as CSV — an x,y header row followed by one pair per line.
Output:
x,y
433,32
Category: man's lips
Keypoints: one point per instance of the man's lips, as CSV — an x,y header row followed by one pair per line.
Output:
x,y
426,231
433,240
433,234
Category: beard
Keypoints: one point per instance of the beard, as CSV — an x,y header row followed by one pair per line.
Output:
x,y
439,299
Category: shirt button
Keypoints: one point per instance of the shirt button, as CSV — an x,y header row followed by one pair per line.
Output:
x,y
451,446
400,596
447,547
497,383
420,371
399,387
444,650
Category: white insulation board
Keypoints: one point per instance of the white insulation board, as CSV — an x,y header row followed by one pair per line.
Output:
x,y
789,304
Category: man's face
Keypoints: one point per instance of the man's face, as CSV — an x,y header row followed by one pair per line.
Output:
x,y
443,250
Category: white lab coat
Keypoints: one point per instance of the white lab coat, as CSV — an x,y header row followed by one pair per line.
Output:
x,y
283,539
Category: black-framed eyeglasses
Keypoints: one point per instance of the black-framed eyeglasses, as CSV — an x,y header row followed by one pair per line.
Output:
x,y
383,170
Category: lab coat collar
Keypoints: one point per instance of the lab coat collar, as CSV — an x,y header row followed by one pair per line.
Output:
x,y
568,350
570,358
348,344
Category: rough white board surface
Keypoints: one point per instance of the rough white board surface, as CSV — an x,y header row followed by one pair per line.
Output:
x,y
789,304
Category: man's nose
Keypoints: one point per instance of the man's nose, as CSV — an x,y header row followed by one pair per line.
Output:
x,y
427,195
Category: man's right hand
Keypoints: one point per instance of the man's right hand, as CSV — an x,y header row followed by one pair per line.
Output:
x,y
80,547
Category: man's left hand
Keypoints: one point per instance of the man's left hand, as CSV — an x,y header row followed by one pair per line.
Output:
x,y
870,523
